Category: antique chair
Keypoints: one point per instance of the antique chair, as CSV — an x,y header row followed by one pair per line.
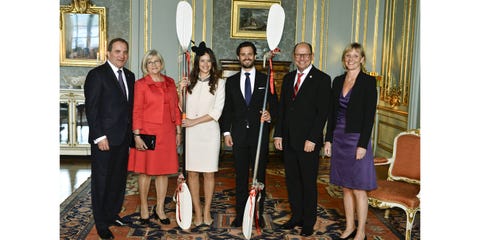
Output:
x,y
402,187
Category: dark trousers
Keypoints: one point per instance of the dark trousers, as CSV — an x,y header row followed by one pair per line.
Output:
x,y
244,161
109,178
301,170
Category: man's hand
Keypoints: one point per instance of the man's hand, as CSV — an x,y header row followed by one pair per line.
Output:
x,y
327,149
103,145
309,146
265,116
228,140
277,142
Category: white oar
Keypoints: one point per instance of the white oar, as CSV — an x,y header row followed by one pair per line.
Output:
x,y
182,195
275,21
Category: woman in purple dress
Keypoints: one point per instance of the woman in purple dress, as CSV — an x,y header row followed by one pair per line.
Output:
x,y
349,129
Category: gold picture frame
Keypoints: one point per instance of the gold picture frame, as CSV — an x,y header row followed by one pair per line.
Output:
x,y
82,34
249,19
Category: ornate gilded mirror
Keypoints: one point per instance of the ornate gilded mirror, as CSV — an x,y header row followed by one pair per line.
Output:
x,y
82,34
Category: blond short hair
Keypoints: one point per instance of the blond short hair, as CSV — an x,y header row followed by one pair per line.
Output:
x,y
354,46
149,55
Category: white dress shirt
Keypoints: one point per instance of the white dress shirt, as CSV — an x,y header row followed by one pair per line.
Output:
x,y
242,80
302,79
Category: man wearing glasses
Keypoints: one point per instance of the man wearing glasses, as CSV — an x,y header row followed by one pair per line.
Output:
x,y
303,111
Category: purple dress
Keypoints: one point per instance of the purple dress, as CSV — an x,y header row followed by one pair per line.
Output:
x,y
345,170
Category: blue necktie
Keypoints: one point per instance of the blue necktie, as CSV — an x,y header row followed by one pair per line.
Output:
x,y
248,88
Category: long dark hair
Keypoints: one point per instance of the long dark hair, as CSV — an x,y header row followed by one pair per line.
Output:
x,y
215,73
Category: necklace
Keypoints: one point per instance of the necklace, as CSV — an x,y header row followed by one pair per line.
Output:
x,y
206,79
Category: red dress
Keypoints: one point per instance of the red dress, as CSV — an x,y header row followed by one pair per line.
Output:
x,y
155,111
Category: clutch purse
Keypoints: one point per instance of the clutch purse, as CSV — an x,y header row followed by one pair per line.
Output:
x,y
149,140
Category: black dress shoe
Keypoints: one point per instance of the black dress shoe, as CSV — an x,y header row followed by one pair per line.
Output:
x,y
120,222
290,224
144,221
306,232
164,221
105,233
236,223
351,235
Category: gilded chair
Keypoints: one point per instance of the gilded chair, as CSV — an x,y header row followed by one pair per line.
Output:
x,y
402,187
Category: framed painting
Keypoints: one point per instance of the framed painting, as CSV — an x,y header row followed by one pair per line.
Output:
x,y
249,19
82,34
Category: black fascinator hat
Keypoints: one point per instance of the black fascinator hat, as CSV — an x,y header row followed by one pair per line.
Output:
x,y
200,50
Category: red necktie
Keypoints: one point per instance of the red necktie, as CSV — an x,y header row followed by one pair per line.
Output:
x,y
297,84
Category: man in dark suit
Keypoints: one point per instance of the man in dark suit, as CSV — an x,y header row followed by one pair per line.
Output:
x,y
109,103
303,110
240,124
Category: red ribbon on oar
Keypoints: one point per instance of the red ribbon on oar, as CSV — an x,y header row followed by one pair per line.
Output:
x,y
273,52
185,74
257,215
252,206
253,193
188,60
177,193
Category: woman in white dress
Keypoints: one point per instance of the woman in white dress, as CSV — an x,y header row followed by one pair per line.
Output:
x,y
204,105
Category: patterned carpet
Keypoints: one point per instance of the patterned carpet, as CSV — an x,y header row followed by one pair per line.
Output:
x,y
76,221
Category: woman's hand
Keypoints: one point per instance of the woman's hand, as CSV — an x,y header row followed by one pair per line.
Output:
x,y
360,153
327,149
140,144
187,122
178,139
183,83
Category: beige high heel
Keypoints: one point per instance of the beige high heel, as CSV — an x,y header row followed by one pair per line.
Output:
x,y
205,221
208,223
197,223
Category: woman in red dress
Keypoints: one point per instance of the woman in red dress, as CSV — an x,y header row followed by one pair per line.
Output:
x,y
155,112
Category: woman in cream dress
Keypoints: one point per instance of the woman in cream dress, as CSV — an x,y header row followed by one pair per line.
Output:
x,y
204,105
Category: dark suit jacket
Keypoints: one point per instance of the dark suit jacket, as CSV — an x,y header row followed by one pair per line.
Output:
x,y
236,114
360,110
303,118
108,111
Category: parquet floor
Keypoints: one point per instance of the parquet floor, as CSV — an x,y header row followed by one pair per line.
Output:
x,y
74,170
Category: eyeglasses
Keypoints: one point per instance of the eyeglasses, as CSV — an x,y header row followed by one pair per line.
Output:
x,y
153,62
302,55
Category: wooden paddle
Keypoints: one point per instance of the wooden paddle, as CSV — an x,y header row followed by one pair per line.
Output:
x,y
275,21
182,194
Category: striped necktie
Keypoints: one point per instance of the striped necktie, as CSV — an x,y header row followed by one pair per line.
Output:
x,y
297,84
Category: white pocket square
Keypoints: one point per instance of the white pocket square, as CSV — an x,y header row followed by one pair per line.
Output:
x,y
260,88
